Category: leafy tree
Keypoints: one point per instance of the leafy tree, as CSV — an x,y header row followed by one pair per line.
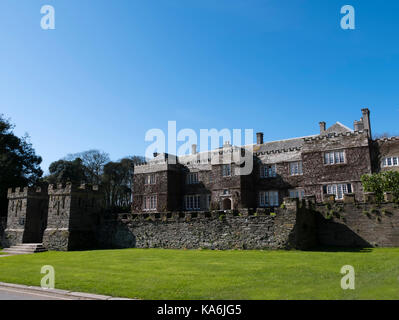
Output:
x,y
391,183
379,183
94,162
94,167
63,171
19,164
117,182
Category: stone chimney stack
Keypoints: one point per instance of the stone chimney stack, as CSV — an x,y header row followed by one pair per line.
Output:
x,y
366,121
322,127
194,149
259,138
358,125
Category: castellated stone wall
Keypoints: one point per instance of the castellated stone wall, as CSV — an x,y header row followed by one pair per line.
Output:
x,y
358,224
73,216
27,215
284,228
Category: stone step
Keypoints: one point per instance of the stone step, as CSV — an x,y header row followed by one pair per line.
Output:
x,y
26,248
16,252
23,250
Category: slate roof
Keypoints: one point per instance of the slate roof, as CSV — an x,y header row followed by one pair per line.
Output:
x,y
269,152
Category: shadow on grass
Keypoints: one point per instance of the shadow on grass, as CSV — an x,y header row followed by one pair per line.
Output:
x,y
340,249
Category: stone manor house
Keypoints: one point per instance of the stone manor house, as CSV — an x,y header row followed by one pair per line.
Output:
x,y
329,163
202,200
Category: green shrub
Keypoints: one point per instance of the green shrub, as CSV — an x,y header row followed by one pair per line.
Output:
x,y
379,183
328,216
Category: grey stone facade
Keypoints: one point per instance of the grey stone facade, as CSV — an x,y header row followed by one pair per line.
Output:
x,y
363,224
27,215
285,228
73,217
352,153
199,201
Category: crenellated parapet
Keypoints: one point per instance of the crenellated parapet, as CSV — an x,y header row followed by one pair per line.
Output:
x,y
388,139
27,212
73,213
19,193
335,135
68,188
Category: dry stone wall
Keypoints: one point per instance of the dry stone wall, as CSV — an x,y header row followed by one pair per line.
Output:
x,y
364,224
284,228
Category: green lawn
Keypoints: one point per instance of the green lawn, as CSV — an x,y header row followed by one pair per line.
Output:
x,y
203,274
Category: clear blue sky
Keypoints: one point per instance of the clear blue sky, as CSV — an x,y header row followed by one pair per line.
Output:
x,y
114,69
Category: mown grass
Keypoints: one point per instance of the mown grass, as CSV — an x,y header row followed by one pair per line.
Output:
x,y
203,274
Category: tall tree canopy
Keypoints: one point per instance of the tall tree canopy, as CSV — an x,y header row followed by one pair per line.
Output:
x,y
95,167
117,182
19,164
93,162
63,171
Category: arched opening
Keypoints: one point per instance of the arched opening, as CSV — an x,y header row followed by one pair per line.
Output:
x,y
226,204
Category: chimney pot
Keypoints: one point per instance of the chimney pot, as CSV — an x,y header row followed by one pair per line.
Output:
x,y
366,121
322,125
259,138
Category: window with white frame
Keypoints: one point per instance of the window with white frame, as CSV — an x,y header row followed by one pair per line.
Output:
x,y
150,179
268,199
296,168
192,202
390,162
268,171
192,178
150,202
297,193
334,157
226,170
339,190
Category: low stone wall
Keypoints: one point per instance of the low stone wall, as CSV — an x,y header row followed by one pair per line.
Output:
x,y
12,237
358,224
281,229
64,239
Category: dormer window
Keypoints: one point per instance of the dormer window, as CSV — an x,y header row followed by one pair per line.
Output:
x,y
334,157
